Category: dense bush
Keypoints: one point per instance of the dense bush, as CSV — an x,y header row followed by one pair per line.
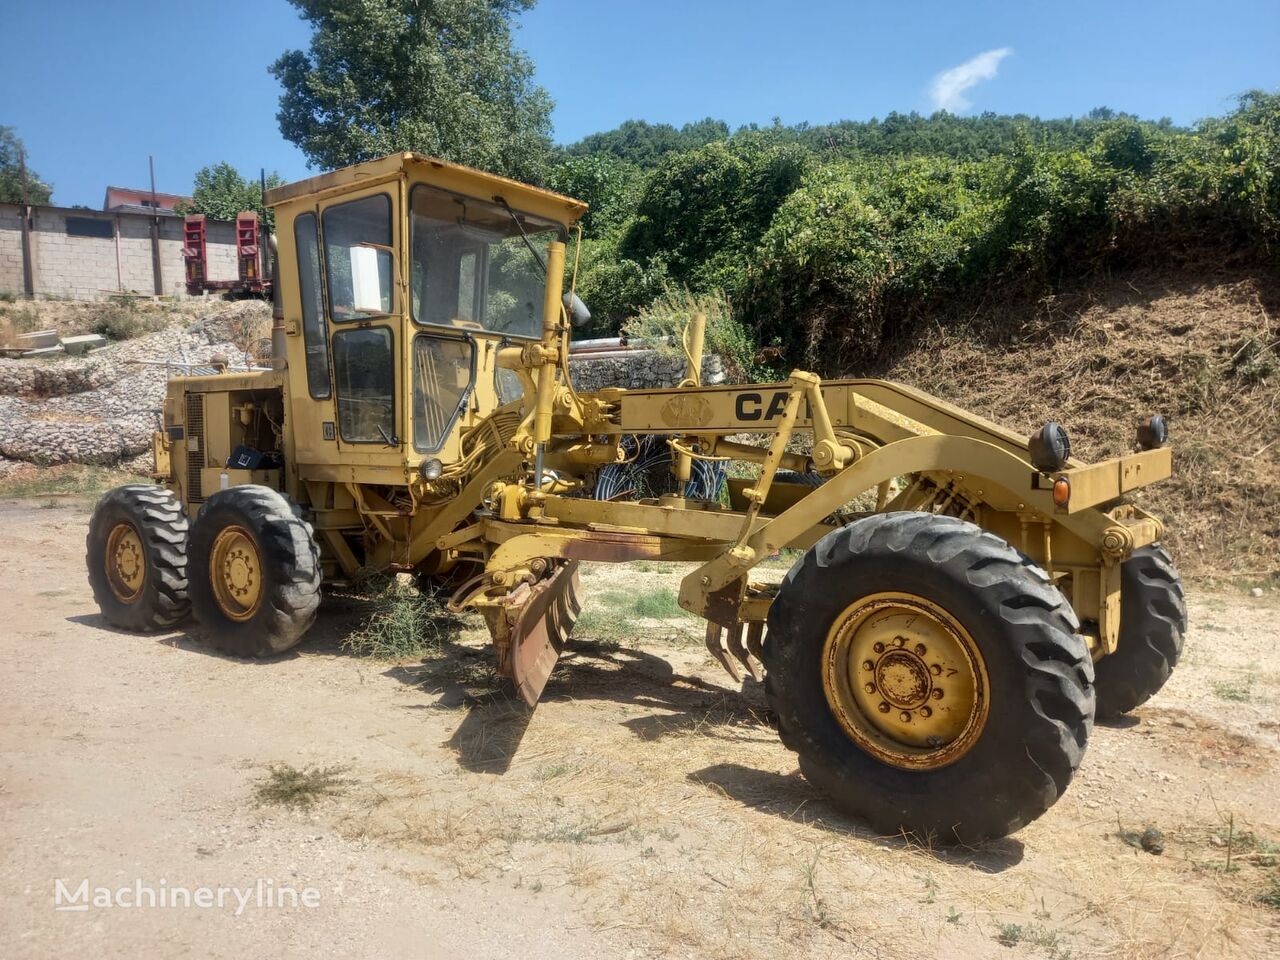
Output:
x,y
831,240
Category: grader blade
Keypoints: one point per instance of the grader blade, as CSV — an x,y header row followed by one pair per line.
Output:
x,y
539,628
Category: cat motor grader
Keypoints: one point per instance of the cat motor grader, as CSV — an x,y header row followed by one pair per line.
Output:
x,y
966,598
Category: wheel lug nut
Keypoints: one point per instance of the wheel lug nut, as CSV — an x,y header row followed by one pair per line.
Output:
x,y
936,670
868,665
904,716
926,712
870,688
937,693
884,707
878,647
920,650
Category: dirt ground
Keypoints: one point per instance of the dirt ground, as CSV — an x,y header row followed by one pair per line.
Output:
x,y
644,809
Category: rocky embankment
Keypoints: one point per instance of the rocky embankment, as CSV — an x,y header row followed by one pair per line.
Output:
x,y
102,409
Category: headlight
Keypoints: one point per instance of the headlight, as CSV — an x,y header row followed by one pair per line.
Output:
x,y
1050,448
1153,432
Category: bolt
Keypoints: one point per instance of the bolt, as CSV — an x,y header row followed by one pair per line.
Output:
x,y
868,665
878,647
899,641
920,650
937,693
904,716
926,712
870,688
884,707
936,670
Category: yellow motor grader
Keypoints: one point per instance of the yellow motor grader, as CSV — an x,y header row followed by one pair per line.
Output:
x,y
965,598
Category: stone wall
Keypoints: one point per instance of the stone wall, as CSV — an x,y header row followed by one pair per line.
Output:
x,y
103,408
91,268
637,370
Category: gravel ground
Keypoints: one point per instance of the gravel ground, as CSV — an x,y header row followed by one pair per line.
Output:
x,y
645,809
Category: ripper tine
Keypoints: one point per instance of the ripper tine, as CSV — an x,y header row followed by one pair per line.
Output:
x,y
754,658
717,648
733,640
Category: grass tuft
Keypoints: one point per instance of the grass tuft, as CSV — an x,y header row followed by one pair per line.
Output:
x,y
1033,934
287,786
1271,896
1234,692
406,622
619,614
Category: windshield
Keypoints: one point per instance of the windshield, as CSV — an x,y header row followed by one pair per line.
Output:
x,y
471,267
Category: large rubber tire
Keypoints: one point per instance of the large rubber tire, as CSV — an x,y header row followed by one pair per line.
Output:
x,y
1041,702
290,571
1153,622
156,516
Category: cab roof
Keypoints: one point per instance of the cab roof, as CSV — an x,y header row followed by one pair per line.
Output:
x,y
422,168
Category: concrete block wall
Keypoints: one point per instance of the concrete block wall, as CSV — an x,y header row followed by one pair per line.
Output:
x,y
92,268
10,249
81,268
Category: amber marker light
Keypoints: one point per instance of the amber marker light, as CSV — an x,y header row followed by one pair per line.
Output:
x,y
1061,491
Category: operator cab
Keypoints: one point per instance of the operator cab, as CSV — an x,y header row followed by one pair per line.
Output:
x,y
400,279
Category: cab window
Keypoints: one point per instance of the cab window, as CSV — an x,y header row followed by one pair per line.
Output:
x,y
357,256
442,372
314,339
362,362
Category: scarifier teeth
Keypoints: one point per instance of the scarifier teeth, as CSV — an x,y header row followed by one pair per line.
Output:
x,y
716,647
755,647
734,641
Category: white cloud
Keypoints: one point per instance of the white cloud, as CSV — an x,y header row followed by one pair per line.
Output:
x,y
948,87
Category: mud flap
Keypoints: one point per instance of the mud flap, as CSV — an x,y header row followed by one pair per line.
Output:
x,y
540,622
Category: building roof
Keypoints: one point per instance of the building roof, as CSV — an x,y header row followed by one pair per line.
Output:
x,y
130,199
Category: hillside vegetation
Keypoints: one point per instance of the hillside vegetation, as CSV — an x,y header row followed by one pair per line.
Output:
x,y
831,242
1092,271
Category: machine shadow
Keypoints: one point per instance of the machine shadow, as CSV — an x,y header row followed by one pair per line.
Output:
x,y
489,736
791,797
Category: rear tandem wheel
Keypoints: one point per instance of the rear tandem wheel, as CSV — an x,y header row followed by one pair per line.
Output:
x,y
255,571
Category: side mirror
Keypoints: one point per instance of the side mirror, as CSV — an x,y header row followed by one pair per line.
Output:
x,y
578,312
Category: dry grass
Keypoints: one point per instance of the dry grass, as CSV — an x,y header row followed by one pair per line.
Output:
x,y
66,480
659,804
1204,351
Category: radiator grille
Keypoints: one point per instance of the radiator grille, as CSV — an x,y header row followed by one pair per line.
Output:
x,y
195,451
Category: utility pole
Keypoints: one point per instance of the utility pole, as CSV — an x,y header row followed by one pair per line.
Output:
x,y
28,264
156,269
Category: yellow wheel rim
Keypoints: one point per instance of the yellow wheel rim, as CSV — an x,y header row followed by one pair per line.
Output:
x,y
126,562
235,567
906,681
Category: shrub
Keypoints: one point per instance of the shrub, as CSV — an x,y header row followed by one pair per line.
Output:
x,y
404,622
124,321
664,321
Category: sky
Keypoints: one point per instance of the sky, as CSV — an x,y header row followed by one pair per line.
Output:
x,y
96,86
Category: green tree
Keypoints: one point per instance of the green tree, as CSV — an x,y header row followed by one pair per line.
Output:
x,y
38,191
437,76
220,192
